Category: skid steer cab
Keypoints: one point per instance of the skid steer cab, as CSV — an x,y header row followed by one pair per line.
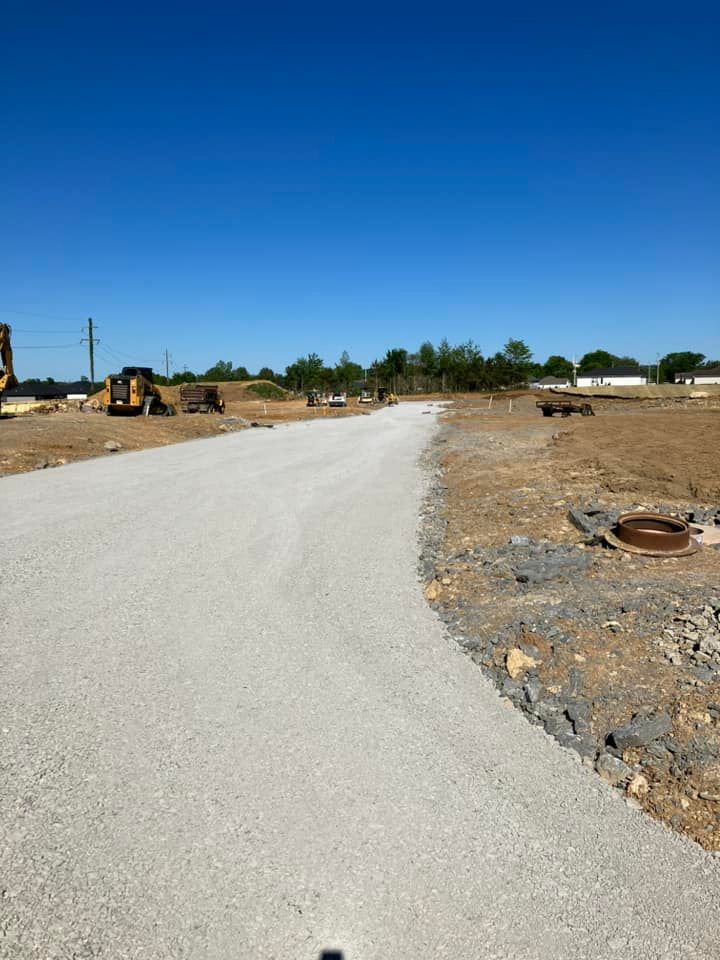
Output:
x,y
132,392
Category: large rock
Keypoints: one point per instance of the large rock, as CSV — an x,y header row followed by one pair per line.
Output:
x,y
518,663
112,446
433,591
581,521
640,731
613,770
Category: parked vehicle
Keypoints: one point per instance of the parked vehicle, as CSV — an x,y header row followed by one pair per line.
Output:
x,y
132,392
366,396
201,398
337,400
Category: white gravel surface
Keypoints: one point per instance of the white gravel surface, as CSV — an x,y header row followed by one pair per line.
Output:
x,y
232,728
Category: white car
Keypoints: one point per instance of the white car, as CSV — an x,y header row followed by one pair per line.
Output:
x,y
337,400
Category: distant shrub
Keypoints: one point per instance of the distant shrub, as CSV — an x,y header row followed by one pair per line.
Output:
x,y
268,391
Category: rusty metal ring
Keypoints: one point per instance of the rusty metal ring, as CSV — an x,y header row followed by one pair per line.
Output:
x,y
652,534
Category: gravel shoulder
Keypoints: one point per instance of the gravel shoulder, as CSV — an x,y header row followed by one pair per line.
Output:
x,y
233,727
616,656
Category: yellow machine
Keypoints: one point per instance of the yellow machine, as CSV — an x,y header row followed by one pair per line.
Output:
x,y
132,391
8,380
392,399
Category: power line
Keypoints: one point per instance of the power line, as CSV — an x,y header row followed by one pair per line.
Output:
x,y
47,316
47,346
120,353
25,330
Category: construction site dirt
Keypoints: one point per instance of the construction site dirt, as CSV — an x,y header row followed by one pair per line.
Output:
x,y
616,655
59,433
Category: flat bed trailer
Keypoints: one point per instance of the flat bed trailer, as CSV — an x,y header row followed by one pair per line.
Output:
x,y
564,408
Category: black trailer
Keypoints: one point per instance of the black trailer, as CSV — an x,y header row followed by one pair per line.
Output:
x,y
564,408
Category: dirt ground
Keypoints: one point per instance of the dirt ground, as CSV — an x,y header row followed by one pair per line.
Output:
x,y
65,433
606,635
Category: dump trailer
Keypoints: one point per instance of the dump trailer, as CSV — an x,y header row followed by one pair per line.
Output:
x,y
132,392
8,380
201,398
564,408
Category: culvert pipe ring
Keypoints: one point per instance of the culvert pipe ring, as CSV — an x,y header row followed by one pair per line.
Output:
x,y
652,535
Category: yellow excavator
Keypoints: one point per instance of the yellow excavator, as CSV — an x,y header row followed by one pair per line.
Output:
x,y
132,391
8,380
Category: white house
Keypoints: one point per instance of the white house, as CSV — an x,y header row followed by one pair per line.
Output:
x,y
551,383
703,376
612,377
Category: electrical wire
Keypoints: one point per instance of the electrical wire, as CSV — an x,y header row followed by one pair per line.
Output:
x,y
47,316
109,358
25,330
47,346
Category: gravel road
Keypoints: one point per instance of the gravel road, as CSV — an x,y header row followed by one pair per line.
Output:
x,y
232,728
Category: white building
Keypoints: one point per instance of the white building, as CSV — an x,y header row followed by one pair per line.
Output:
x,y
551,383
612,377
702,376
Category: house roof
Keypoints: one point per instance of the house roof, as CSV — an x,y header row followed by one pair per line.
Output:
x,y
612,372
702,372
551,380
46,391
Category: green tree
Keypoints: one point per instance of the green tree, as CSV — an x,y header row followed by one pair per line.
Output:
x,y
222,370
596,358
266,374
467,366
499,372
427,361
394,365
444,362
557,366
305,372
346,371
680,362
183,376
241,373
518,357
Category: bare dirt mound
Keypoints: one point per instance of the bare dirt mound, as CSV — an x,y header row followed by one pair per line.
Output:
x,y
231,390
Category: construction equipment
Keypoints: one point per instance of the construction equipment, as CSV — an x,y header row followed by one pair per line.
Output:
x,y
8,380
392,399
201,398
382,394
313,398
564,408
132,392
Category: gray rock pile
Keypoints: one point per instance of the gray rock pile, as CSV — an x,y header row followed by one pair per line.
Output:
x,y
694,636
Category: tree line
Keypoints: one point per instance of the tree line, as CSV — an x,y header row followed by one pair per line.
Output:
x,y
442,368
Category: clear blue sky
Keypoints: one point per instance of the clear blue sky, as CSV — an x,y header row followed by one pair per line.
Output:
x,y
250,182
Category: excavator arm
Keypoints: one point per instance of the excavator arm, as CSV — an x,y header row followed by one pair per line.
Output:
x,y
7,374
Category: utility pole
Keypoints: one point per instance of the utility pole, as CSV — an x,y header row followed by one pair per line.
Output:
x,y
91,341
